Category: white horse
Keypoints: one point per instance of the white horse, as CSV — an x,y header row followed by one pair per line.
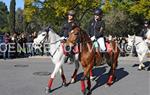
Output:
x,y
37,42
141,48
57,56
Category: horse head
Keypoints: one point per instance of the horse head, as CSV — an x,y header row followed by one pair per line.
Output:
x,y
77,34
131,40
74,35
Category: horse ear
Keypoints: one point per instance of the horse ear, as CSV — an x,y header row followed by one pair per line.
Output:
x,y
129,36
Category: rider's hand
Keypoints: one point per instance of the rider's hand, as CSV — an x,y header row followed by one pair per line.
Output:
x,y
62,38
93,38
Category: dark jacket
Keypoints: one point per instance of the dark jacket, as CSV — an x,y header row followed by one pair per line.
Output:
x,y
143,33
66,28
94,28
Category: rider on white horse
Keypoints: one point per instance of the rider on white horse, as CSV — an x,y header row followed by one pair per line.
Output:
x,y
145,33
66,28
144,30
148,33
67,25
96,30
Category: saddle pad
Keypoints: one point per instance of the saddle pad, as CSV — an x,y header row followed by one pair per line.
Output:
x,y
75,49
64,50
108,46
95,44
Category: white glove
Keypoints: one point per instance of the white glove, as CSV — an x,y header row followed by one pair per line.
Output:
x,y
93,38
62,38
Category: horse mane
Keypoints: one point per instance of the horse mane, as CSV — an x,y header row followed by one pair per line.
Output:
x,y
84,36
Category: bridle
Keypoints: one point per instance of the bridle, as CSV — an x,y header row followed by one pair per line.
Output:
x,y
46,38
134,44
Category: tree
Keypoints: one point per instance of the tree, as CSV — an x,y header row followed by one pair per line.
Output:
x,y
119,23
19,20
12,16
3,18
141,7
54,11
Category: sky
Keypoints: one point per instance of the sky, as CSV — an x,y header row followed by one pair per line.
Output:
x,y
19,3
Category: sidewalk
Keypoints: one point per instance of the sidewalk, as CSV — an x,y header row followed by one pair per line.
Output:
x,y
39,56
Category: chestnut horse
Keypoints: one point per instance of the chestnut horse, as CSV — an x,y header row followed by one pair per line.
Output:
x,y
89,57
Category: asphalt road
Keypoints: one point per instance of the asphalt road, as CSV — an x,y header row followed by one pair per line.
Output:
x,y
29,76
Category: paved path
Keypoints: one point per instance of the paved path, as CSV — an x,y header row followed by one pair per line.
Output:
x,y
29,76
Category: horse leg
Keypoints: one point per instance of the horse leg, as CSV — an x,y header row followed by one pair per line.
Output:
x,y
112,76
56,69
86,90
83,84
91,75
62,76
74,76
141,65
88,85
86,75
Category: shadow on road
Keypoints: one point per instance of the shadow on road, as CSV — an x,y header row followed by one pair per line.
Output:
x,y
147,64
96,72
101,76
101,80
57,88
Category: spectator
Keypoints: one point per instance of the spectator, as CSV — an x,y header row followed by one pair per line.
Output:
x,y
6,41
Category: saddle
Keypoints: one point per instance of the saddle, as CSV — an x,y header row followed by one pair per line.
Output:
x,y
70,50
107,44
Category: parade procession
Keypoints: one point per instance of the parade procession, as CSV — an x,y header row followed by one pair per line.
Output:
x,y
74,47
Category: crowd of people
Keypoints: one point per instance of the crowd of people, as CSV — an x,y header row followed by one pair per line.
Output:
x,y
16,40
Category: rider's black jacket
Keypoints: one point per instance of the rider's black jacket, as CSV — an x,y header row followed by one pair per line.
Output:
x,y
67,27
94,28
143,33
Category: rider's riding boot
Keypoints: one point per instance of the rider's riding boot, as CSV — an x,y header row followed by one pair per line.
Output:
x,y
104,54
70,54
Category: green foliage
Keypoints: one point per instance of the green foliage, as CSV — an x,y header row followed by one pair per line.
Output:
x,y
19,20
12,16
54,11
119,23
3,18
122,16
141,7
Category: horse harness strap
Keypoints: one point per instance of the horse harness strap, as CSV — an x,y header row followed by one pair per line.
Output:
x,y
137,43
52,55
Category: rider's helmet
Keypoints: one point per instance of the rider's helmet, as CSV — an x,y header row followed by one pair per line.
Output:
x,y
146,23
71,12
98,12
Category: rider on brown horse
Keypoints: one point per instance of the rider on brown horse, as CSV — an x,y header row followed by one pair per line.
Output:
x,y
96,31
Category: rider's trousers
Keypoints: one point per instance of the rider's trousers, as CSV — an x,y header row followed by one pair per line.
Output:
x,y
101,42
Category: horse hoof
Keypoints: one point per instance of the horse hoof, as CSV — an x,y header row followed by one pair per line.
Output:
x,y
47,90
72,81
148,69
142,68
110,83
65,84
87,92
92,78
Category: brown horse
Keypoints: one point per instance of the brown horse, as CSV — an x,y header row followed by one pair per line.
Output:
x,y
89,57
